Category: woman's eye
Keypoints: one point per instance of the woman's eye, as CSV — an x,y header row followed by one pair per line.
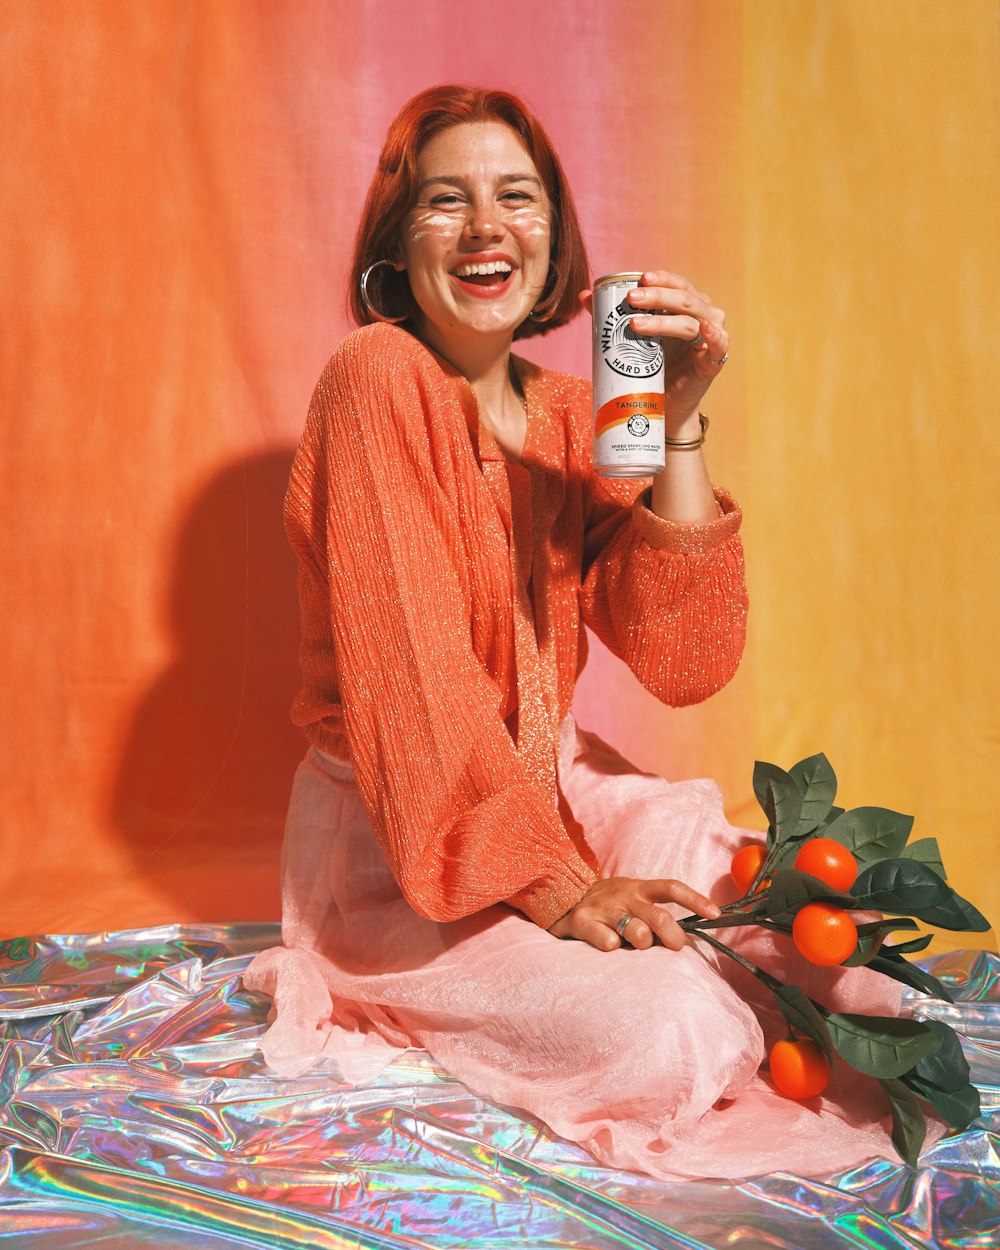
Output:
x,y
446,201
516,197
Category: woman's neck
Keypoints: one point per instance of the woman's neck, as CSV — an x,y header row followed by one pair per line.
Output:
x,y
486,364
501,408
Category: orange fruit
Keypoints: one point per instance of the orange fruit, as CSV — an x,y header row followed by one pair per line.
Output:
x,y
824,933
799,1068
746,864
830,861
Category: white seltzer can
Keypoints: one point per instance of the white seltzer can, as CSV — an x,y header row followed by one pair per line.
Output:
x,y
628,385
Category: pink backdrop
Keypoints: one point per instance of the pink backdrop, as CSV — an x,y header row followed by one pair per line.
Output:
x,y
181,183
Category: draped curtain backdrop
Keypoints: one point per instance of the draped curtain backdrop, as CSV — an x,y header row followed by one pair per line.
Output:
x,y
181,182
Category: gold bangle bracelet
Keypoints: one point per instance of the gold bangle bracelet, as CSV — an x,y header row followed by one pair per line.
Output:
x,y
693,442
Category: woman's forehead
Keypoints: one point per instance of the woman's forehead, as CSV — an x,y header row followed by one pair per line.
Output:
x,y
474,148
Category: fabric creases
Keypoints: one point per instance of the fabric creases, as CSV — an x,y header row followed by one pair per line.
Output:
x,y
649,1059
443,594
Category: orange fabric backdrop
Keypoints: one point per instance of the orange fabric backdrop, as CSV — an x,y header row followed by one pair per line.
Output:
x,y
181,185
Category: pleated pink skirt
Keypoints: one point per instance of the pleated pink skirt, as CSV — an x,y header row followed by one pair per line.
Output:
x,y
648,1059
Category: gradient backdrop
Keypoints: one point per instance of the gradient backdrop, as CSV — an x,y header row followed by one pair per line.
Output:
x,y
180,185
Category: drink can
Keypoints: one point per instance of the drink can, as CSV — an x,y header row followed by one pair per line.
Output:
x,y
628,385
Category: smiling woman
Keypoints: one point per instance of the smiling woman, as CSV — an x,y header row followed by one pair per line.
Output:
x,y
450,822
401,192
475,250
460,278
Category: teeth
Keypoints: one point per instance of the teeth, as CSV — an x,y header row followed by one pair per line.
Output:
x,y
494,266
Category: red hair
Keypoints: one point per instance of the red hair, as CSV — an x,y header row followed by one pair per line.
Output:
x,y
393,193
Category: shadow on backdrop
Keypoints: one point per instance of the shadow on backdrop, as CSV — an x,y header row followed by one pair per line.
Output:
x,y
207,768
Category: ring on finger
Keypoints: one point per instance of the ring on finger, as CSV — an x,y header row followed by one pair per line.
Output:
x,y
698,339
722,361
623,924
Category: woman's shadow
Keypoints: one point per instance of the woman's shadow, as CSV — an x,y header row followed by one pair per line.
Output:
x,y
207,767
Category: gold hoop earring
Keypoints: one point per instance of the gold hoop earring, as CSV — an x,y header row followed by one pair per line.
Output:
x,y
365,299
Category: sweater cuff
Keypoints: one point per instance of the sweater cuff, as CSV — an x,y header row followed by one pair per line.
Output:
x,y
681,538
553,895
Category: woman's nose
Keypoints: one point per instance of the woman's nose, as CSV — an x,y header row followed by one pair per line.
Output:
x,y
482,222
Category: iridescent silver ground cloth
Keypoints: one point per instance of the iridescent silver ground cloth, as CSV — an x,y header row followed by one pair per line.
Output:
x,y
135,1111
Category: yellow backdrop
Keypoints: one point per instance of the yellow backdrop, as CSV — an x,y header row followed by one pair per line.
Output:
x,y
871,228
179,190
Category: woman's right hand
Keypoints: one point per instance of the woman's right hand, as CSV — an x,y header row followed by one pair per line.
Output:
x,y
595,917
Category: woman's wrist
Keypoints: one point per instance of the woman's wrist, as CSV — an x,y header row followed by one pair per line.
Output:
x,y
682,427
682,491
689,444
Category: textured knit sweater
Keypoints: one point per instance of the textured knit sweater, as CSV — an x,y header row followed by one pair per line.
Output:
x,y
443,593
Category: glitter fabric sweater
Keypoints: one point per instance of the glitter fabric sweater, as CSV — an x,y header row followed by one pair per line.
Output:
x,y
443,595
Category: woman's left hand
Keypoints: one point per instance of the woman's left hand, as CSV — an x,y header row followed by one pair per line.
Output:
x,y
693,330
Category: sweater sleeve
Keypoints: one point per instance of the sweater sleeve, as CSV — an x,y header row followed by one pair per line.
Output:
x,y
669,599
459,819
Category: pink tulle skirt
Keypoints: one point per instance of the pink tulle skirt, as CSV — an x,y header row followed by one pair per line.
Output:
x,y
649,1059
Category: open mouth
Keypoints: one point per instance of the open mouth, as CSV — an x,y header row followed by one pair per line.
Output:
x,y
493,275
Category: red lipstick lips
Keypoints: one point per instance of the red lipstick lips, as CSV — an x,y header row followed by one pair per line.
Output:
x,y
484,274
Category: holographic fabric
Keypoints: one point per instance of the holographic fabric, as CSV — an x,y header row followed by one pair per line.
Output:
x,y
135,1111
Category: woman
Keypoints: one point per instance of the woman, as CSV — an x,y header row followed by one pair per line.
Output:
x,y
450,823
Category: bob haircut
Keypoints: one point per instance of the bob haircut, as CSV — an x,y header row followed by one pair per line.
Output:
x,y
393,192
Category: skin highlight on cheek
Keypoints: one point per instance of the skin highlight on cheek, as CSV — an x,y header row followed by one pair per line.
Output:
x,y
439,224
531,222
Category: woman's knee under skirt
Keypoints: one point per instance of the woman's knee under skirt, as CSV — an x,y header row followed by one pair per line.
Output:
x,y
649,1059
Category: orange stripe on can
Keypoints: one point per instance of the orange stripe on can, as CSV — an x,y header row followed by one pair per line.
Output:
x,y
618,410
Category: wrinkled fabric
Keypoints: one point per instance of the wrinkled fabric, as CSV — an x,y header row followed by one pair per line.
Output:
x,y
135,1111
443,593
648,1059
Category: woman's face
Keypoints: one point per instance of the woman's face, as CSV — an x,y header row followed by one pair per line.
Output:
x,y
476,242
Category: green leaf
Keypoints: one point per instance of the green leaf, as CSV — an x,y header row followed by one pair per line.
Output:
x,y
900,969
910,888
925,851
791,890
954,912
942,1077
831,816
817,783
946,1067
883,1046
870,937
779,796
909,1128
909,948
804,1016
871,833
900,885
957,1107
764,773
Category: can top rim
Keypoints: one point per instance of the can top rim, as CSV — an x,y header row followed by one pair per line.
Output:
x,y
615,277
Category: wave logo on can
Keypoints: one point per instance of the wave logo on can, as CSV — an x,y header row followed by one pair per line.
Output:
x,y
623,350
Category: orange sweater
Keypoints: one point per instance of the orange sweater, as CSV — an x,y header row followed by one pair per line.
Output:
x,y
443,594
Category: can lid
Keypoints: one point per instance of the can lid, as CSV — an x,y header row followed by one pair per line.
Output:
x,y
616,277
